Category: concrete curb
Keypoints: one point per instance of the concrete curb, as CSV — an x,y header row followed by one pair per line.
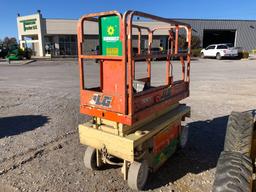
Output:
x,y
16,63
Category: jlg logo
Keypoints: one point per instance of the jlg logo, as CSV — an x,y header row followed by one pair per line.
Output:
x,y
104,101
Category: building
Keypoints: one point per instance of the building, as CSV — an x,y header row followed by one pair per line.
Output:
x,y
241,33
57,37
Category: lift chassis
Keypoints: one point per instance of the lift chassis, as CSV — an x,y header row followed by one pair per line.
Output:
x,y
132,120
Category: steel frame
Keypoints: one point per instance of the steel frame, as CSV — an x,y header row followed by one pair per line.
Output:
x,y
128,107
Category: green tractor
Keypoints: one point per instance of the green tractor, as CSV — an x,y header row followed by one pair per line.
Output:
x,y
16,53
3,51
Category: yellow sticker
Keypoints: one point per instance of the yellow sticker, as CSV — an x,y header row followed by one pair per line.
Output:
x,y
112,51
111,30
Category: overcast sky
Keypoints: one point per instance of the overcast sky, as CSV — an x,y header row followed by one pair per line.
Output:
x,y
73,9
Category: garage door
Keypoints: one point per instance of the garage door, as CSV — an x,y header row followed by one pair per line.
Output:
x,y
218,36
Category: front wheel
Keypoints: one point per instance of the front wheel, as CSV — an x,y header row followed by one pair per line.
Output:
x,y
137,175
218,56
90,159
202,55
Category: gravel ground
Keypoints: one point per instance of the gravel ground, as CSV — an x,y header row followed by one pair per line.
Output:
x,y
39,114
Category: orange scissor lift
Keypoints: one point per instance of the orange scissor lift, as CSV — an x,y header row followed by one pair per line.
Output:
x,y
132,120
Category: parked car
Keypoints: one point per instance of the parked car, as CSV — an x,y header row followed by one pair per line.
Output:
x,y
219,51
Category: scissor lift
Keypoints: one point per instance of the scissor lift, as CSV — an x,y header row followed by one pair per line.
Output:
x,y
132,120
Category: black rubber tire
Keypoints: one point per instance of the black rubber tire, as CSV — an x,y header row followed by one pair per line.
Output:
x,y
239,133
218,56
90,161
137,175
233,173
202,55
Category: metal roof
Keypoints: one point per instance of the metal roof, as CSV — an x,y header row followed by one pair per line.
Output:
x,y
245,29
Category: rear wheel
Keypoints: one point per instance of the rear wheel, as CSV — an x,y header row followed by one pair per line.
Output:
x,y
233,173
239,133
137,175
183,137
218,56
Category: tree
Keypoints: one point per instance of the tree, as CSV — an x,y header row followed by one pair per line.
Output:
x,y
9,42
195,42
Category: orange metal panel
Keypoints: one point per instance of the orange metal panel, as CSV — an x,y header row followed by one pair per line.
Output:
x,y
113,116
111,101
156,96
114,82
138,116
158,107
164,138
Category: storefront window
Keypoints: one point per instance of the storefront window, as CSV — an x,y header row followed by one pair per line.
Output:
x,y
68,44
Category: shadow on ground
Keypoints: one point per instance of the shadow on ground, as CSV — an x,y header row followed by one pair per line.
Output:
x,y
15,125
206,140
